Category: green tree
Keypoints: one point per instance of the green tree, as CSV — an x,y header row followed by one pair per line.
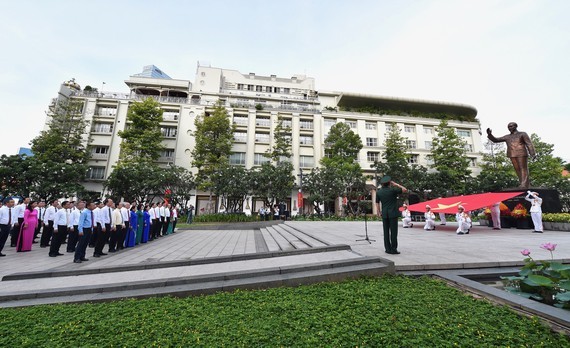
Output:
x,y
395,157
281,148
322,185
133,181
342,148
142,138
273,183
497,171
181,184
450,159
214,139
232,184
16,175
60,156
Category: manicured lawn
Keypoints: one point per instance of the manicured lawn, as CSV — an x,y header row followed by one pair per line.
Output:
x,y
392,311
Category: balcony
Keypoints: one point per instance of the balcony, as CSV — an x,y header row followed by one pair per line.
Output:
x,y
99,156
263,122
170,116
166,159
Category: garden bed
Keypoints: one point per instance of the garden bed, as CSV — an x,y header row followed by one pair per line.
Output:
x,y
388,311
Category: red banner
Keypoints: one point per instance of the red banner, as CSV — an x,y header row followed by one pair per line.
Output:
x,y
299,199
449,205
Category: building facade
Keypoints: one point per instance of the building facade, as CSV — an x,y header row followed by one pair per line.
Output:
x,y
254,104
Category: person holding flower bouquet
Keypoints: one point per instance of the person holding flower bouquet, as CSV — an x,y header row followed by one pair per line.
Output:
x,y
535,210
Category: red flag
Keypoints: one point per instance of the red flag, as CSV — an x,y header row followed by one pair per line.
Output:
x,y
449,205
299,199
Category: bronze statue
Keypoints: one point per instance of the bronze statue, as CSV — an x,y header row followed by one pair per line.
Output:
x,y
519,147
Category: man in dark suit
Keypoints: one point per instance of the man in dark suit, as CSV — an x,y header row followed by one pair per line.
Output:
x,y
388,196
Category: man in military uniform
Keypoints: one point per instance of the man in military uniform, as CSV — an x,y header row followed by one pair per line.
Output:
x,y
388,196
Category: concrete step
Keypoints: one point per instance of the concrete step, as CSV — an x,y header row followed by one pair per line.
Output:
x,y
280,239
304,236
271,243
184,286
296,242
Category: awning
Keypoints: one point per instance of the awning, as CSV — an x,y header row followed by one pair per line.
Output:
x,y
449,205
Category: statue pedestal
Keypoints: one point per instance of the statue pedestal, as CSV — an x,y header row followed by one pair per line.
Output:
x,y
550,199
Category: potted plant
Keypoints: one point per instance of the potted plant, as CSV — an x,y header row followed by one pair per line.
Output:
x,y
522,219
507,220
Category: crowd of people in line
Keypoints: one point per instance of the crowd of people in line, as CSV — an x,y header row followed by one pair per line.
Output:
x,y
83,224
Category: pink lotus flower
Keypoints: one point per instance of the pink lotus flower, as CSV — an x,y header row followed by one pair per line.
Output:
x,y
548,246
525,252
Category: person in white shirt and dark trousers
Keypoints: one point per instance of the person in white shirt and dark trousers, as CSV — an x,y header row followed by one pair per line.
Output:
x,y
62,221
48,223
535,210
105,216
74,231
125,215
119,225
41,208
19,210
7,219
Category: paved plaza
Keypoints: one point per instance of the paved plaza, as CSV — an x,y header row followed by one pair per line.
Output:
x,y
420,250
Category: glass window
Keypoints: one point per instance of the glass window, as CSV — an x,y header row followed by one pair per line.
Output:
x,y
372,156
428,130
261,137
268,89
287,123
286,90
306,124
428,145
237,158
102,127
306,139
389,127
413,159
240,137
350,123
263,121
100,150
329,122
168,132
167,153
468,147
371,142
240,86
240,120
473,162
371,125
259,88
306,161
96,173
259,159
106,111
409,129
411,144
464,132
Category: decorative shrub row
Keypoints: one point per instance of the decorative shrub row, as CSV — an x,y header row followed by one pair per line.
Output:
x,y
218,217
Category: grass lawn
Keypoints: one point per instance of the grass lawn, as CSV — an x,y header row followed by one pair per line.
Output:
x,y
392,311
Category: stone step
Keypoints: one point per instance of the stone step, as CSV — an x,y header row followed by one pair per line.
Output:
x,y
249,279
281,240
304,236
271,243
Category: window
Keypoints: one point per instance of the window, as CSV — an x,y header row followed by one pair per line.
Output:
x,y
413,159
259,88
306,124
100,150
170,115
428,130
268,89
284,159
263,121
371,142
240,137
276,89
464,132
259,159
286,90
287,123
261,137
102,127
371,125
240,86
329,122
350,123
168,132
237,158
306,139
409,129
468,147
240,120
372,156
473,162
96,173
428,145
167,153
389,127
250,87
306,161
106,111
411,144
429,160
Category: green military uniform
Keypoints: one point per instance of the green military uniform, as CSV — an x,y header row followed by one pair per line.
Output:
x,y
388,197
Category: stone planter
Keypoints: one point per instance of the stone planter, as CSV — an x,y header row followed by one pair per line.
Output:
x,y
556,226
483,222
508,222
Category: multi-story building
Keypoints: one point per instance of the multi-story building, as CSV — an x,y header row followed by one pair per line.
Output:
x,y
254,104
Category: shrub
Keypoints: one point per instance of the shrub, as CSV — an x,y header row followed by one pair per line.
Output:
x,y
556,217
219,217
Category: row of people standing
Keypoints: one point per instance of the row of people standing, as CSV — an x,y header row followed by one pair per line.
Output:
x,y
120,225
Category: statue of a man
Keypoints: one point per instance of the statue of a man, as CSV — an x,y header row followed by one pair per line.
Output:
x,y
519,147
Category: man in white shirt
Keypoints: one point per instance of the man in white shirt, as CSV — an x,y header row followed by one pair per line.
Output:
x,y
105,216
125,214
463,221
119,225
174,219
7,219
74,230
166,213
41,209
98,227
49,216
535,210
159,216
430,219
406,217
61,221
19,210
153,223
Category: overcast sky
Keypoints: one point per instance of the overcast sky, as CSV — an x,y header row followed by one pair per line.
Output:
x,y
509,59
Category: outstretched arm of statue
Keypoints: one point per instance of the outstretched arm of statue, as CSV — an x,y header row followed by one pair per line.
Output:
x,y
492,137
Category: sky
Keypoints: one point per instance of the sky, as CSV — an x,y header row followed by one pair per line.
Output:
x,y
507,58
